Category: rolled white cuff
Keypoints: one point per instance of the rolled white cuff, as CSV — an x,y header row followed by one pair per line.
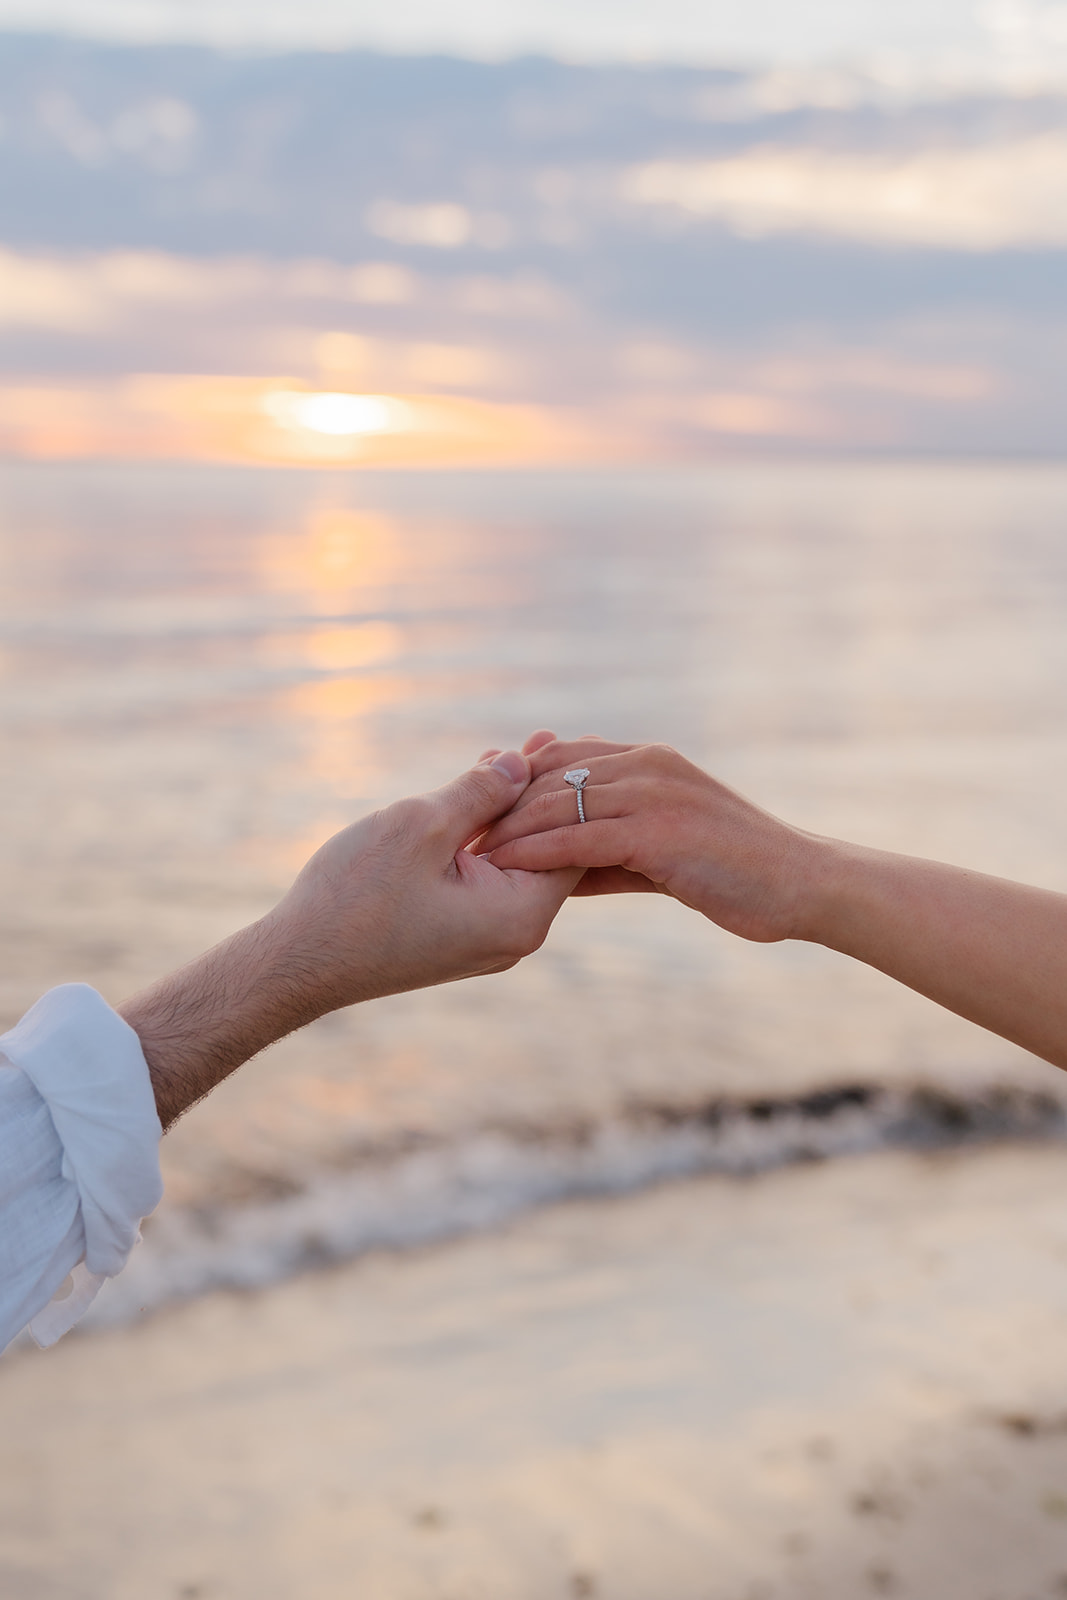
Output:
x,y
87,1065
67,1306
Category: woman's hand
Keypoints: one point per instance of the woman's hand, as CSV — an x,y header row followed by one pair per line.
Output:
x,y
991,950
657,822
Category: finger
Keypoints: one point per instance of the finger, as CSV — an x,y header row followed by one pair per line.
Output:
x,y
525,894
536,899
584,844
550,803
572,753
471,802
538,740
548,812
547,889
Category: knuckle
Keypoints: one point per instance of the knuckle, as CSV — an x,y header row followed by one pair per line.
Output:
x,y
542,806
411,819
551,757
663,758
482,784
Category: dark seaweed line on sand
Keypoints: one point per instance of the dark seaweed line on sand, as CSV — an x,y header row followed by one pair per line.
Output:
x,y
416,1191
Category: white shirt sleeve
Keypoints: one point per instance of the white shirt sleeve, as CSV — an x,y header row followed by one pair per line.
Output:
x,y
79,1158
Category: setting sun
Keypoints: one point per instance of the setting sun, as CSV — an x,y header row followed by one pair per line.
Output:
x,y
338,415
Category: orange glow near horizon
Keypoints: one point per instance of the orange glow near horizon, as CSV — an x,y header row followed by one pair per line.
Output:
x,y
845,398
279,422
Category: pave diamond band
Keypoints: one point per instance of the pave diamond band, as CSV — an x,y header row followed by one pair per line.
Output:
x,y
577,779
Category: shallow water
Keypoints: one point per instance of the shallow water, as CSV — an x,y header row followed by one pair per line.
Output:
x,y
206,671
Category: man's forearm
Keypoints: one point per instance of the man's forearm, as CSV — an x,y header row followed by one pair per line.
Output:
x,y
199,1024
992,950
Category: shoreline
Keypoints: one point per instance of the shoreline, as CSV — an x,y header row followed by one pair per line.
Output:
x,y
426,1191
844,1379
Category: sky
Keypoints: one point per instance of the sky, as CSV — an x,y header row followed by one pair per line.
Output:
x,y
359,257
951,35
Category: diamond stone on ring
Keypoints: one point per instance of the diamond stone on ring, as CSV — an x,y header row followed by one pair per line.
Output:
x,y
576,779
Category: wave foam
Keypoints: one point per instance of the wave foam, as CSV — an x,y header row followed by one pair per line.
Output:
x,y
429,1191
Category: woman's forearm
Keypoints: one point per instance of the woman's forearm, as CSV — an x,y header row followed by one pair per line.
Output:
x,y
989,949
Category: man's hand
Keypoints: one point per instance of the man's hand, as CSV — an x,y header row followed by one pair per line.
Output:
x,y
393,902
396,902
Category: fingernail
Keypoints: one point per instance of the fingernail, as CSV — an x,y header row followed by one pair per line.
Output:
x,y
512,765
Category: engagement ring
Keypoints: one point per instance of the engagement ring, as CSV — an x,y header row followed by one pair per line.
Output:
x,y
576,779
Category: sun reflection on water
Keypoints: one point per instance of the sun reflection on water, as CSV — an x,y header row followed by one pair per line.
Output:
x,y
338,558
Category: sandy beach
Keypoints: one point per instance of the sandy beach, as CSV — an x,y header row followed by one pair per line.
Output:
x,y
836,1380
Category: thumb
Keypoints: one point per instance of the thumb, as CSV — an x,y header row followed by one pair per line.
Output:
x,y
476,798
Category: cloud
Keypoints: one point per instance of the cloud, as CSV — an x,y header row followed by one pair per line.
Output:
x,y
442,225
984,198
159,132
672,30
102,289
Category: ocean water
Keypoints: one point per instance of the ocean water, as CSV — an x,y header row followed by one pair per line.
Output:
x,y
204,672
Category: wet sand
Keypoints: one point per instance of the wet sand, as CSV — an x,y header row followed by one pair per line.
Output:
x,y
832,1381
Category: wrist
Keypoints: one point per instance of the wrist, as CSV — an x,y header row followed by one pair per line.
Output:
x,y
824,882
842,883
201,1023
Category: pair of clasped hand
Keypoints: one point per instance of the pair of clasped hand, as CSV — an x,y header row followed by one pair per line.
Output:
x,y
467,880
